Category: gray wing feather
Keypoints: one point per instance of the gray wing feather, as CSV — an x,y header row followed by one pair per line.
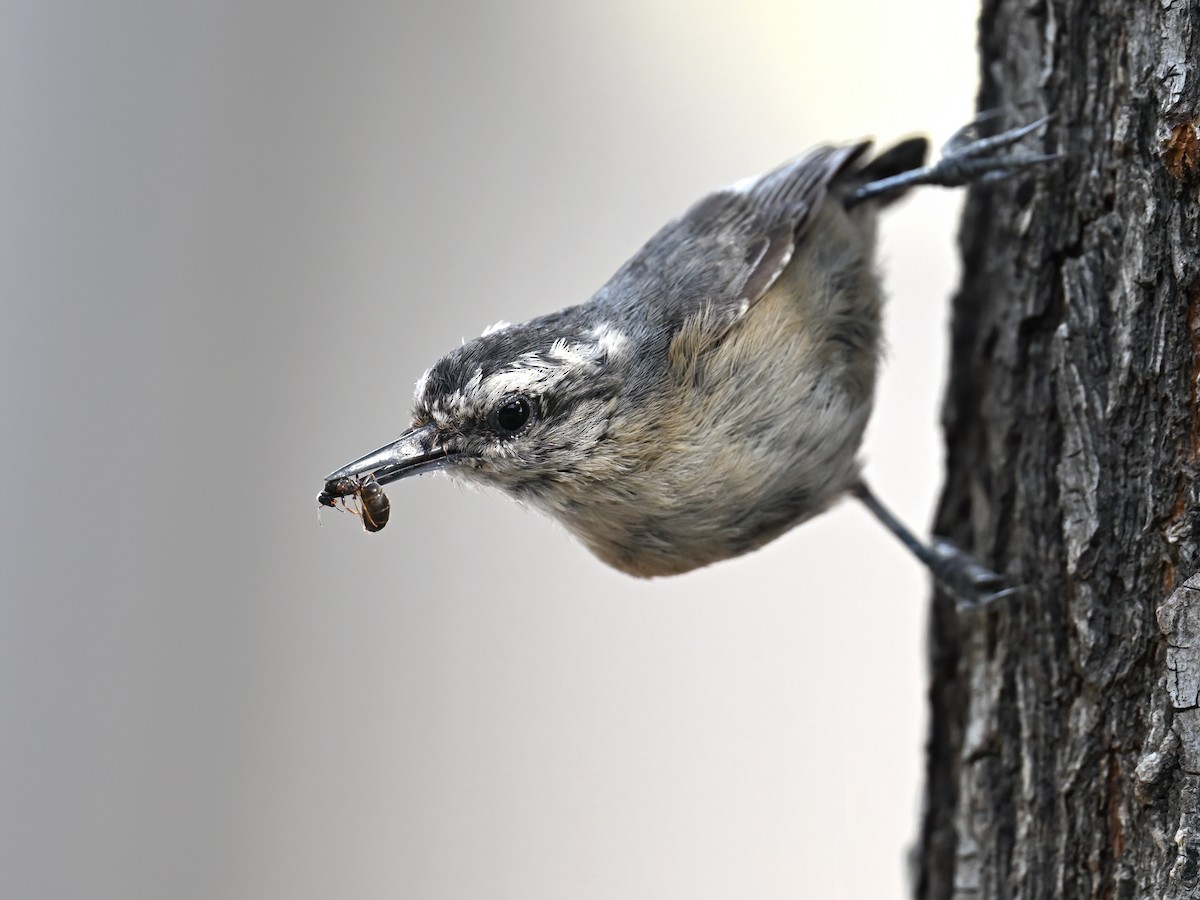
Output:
x,y
726,251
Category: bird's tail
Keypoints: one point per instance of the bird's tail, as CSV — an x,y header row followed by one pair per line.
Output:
x,y
903,157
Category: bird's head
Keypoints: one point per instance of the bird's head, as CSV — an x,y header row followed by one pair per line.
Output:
x,y
524,408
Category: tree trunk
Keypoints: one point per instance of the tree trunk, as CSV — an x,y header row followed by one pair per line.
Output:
x,y
1064,756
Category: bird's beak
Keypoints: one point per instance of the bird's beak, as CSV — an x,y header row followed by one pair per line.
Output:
x,y
410,454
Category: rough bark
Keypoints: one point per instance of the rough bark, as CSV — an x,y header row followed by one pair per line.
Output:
x,y
1064,757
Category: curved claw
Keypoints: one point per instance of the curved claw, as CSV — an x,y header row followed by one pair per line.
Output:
x,y
966,142
970,582
969,133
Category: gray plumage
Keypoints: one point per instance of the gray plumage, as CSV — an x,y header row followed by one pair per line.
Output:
x,y
710,396
714,392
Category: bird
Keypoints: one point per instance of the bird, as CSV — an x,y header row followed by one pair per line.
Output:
x,y
713,394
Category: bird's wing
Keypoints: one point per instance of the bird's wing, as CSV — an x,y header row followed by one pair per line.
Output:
x,y
725,252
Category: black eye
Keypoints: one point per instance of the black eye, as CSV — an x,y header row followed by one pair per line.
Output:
x,y
513,413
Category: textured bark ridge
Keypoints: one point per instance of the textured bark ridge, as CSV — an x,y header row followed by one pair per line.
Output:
x,y
1064,758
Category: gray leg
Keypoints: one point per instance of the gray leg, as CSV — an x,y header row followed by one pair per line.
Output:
x,y
956,572
966,158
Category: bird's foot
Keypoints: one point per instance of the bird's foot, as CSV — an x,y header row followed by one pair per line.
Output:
x,y
970,582
968,157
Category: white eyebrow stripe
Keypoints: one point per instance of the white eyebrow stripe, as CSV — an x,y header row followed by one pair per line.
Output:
x,y
525,380
577,355
537,373
611,341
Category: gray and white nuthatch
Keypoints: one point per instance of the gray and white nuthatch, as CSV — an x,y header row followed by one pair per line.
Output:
x,y
713,394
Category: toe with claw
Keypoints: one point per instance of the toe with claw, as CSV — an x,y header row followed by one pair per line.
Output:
x,y
966,158
971,583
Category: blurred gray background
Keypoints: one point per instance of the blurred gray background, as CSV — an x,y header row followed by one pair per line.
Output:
x,y
234,233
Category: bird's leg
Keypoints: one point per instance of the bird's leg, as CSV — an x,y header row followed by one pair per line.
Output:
x,y
969,582
966,158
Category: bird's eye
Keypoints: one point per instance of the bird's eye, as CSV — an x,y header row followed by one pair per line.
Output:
x,y
512,413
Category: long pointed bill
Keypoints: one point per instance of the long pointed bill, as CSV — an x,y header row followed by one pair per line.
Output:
x,y
410,454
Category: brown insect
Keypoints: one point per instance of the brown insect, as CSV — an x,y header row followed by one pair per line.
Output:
x,y
373,504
